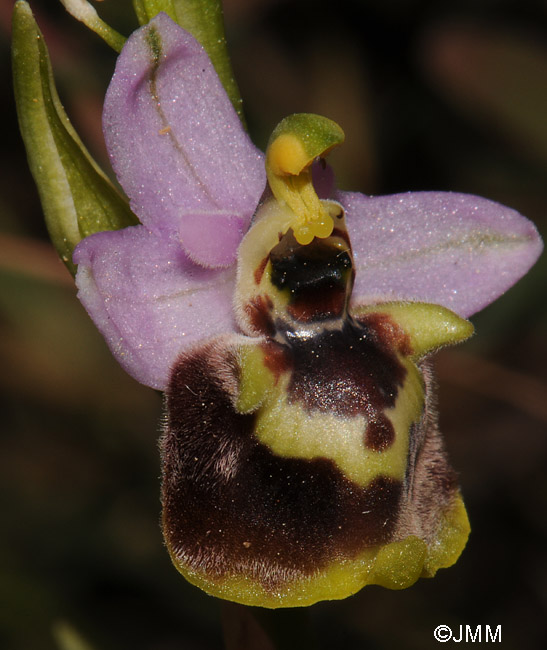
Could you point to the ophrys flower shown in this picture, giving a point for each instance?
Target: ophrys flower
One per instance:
(301, 453)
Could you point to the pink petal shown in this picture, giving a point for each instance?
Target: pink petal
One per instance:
(149, 300)
(176, 143)
(456, 250)
(217, 251)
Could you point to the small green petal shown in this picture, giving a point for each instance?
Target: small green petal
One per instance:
(77, 197)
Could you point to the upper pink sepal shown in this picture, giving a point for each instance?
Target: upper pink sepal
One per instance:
(177, 145)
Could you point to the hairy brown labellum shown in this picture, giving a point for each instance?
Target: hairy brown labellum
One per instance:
(302, 462)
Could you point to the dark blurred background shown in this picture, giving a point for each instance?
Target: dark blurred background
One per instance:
(432, 94)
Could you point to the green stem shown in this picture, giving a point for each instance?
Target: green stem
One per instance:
(83, 11)
(255, 628)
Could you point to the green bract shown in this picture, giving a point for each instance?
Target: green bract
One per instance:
(77, 197)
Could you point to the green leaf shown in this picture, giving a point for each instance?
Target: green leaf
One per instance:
(77, 197)
(205, 21)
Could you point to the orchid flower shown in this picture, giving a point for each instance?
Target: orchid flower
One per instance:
(289, 326)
